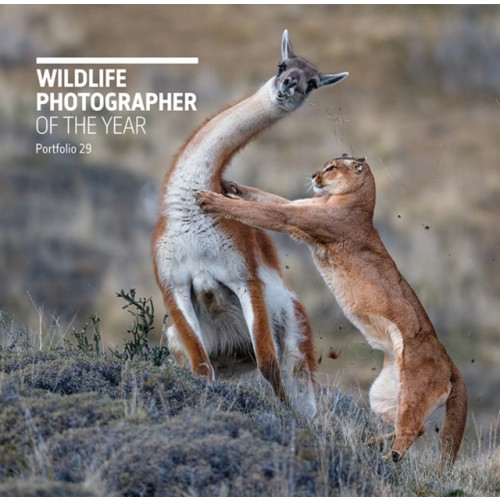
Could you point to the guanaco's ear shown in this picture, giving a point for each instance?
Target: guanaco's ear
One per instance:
(286, 47)
(325, 80)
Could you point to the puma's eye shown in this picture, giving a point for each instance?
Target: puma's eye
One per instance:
(359, 167)
(331, 167)
(281, 68)
(312, 84)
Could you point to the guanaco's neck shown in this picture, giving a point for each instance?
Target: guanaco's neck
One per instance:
(204, 157)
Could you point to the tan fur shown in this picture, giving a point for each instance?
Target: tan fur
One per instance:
(418, 375)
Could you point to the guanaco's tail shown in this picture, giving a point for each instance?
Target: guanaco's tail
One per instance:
(454, 422)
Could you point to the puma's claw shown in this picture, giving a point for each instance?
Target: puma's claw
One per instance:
(231, 189)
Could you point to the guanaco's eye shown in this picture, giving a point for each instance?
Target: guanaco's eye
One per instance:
(312, 84)
(281, 68)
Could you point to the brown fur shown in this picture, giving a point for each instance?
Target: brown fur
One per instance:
(418, 375)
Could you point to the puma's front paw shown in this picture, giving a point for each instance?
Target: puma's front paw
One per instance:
(210, 202)
(232, 189)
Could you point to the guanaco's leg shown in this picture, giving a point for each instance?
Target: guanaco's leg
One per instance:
(254, 309)
(178, 302)
(297, 363)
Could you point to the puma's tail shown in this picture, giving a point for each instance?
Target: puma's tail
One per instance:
(454, 422)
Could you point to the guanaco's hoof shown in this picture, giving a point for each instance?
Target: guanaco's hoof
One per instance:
(396, 456)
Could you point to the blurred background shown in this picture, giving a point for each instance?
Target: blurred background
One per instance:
(422, 102)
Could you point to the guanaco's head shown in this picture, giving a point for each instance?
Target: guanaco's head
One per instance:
(343, 175)
(297, 77)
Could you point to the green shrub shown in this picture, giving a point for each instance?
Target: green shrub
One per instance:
(138, 348)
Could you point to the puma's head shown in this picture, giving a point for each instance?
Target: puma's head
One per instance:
(342, 175)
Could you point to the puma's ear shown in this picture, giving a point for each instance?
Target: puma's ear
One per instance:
(361, 160)
(286, 47)
(331, 79)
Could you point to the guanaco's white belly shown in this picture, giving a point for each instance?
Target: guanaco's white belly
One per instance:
(195, 255)
(199, 260)
(192, 246)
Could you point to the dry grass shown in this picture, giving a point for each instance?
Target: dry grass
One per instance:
(81, 424)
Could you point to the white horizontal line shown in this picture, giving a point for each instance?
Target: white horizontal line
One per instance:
(117, 60)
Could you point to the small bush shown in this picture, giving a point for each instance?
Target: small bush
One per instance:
(13, 338)
(81, 336)
(138, 348)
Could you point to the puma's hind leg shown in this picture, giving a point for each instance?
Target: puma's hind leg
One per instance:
(384, 399)
(416, 400)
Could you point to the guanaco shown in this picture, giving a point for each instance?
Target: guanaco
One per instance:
(418, 376)
(221, 280)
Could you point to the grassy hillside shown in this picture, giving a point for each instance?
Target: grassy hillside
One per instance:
(76, 421)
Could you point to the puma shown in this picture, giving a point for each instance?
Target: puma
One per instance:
(418, 376)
